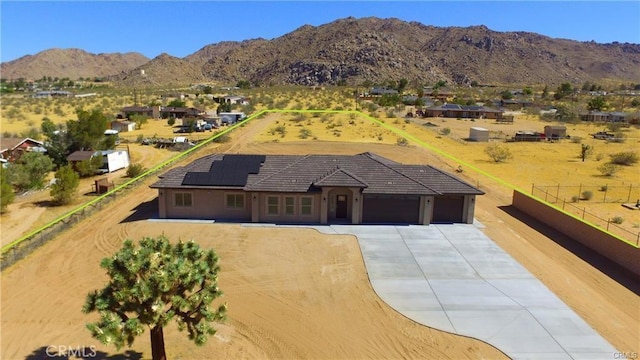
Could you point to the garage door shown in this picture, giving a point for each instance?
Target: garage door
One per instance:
(391, 209)
(448, 209)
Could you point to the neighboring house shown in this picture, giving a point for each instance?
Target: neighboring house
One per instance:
(123, 126)
(463, 111)
(382, 91)
(152, 112)
(441, 94)
(231, 99)
(112, 160)
(12, 148)
(230, 118)
(601, 116)
(181, 112)
(52, 93)
(314, 189)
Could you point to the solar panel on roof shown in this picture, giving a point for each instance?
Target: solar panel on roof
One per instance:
(232, 170)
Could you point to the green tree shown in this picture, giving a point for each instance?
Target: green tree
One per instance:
(545, 92)
(87, 132)
(6, 191)
(139, 120)
(89, 167)
(597, 103)
(565, 89)
(244, 84)
(527, 91)
(177, 103)
(402, 85)
(30, 171)
(506, 95)
(151, 285)
(64, 190)
(223, 107)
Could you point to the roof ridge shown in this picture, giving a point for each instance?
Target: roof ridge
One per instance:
(345, 171)
(406, 176)
(451, 176)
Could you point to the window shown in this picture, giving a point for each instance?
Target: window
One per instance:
(235, 201)
(306, 205)
(272, 205)
(289, 205)
(183, 199)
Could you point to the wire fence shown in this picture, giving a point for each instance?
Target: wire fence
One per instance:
(558, 195)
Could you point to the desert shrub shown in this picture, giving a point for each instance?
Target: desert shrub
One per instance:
(618, 137)
(406, 121)
(576, 140)
(140, 138)
(604, 187)
(445, 131)
(134, 170)
(224, 138)
(497, 153)
(587, 195)
(617, 220)
(391, 114)
(599, 156)
(608, 169)
(171, 121)
(380, 138)
(402, 142)
(575, 198)
(626, 158)
(304, 133)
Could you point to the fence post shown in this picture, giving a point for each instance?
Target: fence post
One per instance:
(629, 197)
(558, 193)
(546, 192)
(580, 193)
(532, 187)
(608, 222)
(606, 188)
(584, 209)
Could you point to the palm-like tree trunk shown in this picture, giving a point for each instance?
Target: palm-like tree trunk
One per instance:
(157, 344)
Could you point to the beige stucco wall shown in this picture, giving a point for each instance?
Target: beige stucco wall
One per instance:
(603, 243)
(206, 204)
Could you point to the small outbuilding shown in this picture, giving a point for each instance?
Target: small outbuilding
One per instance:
(555, 132)
(478, 134)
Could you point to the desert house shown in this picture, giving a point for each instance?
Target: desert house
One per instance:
(478, 134)
(112, 159)
(314, 189)
(600, 116)
(555, 132)
(233, 100)
(152, 112)
(463, 112)
(12, 148)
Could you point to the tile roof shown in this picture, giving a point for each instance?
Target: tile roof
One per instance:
(372, 173)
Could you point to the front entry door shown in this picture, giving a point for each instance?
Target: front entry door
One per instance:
(341, 206)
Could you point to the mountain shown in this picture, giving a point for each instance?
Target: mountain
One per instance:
(70, 63)
(354, 50)
(162, 70)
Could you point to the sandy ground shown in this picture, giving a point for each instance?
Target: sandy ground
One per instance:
(292, 293)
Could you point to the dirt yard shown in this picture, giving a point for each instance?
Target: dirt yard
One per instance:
(292, 293)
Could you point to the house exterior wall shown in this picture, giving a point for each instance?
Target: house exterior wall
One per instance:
(260, 206)
(206, 204)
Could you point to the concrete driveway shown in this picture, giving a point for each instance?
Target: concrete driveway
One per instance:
(454, 278)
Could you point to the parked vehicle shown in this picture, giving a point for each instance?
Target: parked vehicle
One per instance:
(603, 135)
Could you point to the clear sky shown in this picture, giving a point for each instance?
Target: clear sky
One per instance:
(182, 28)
